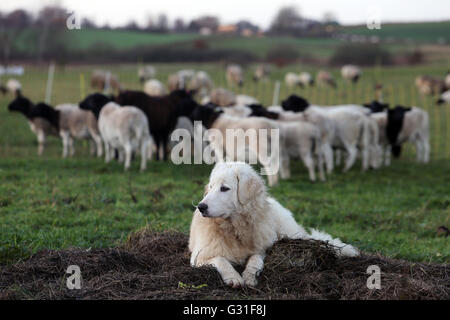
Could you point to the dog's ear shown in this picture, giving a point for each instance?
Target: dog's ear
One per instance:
(249, 187)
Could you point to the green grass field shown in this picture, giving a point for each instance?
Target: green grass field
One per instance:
(53, 203)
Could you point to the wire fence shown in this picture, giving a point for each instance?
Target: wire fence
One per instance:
(71, 84)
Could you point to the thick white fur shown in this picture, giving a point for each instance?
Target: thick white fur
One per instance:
(242, 223)
(154, 88)
(125, 129)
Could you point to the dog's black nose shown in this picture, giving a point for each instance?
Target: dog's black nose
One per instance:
(202, 207)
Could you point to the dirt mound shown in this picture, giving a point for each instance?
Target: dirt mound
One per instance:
(156, 266)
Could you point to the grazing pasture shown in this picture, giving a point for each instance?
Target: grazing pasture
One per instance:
(52, 203)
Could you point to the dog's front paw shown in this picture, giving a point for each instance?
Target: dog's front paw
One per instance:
(249, 279)
(235, 282)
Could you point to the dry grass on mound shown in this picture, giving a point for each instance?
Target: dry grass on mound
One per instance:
(156, 266)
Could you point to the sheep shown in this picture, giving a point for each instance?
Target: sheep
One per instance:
(244, 100)
(213, 119)
(105, 80)
(154, 88)
(71, 123)
(146, 73)
(428, 85)
(400, 125)
(351, 127)
(325, 78)
(292, 80)
(306, 79)
(235, 75)
(239, 111)
(222, 97)
(262, 72)
(12, 86)
(444, 98)
(123, 128)
(39, 126)
(325, 125)
(162, 113)
(201, 84)
(180, 80)
(302, 139)
(351, 73)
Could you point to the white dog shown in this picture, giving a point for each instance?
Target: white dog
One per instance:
(237, 222)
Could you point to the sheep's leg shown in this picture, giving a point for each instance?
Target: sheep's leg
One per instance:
(309, 163)
(328, 153)
(426, 150)
(352, 151)
(320, 165)
(121, 155)
(65, 141)
(128, 151)
(419, 150)
(365, 153)
(144, 152)
(41, 142)
(98, 145)
(107, 152)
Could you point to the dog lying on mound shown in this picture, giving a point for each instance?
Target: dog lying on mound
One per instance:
(237, 221)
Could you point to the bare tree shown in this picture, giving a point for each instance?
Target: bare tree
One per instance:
(12, 25)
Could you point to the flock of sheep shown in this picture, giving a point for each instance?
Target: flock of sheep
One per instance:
(142, 122)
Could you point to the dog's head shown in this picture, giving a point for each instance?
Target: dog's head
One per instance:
(233, 188)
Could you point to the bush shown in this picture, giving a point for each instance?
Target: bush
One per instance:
(361, 54)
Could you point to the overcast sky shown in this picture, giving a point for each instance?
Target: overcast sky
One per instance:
(259, 11)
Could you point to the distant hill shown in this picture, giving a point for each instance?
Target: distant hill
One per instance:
(423, 32)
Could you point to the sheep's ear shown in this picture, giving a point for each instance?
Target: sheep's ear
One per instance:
(249, 186)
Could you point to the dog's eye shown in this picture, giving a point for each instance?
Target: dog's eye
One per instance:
(224, 189)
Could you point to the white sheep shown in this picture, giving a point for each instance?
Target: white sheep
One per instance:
(146, 73)
(262, 72)
(325, 78)
(180, 80)
(123, 128)
(235, 75)
(155, 88)
(222, 97)
(214, 118)
(13, 86)
(351, 73)
(306, 79)
(292, 79)
(201, 84)
(303, 141)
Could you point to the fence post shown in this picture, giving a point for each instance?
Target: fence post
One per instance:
(48, 91)
(82, 87)
(276, 93)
